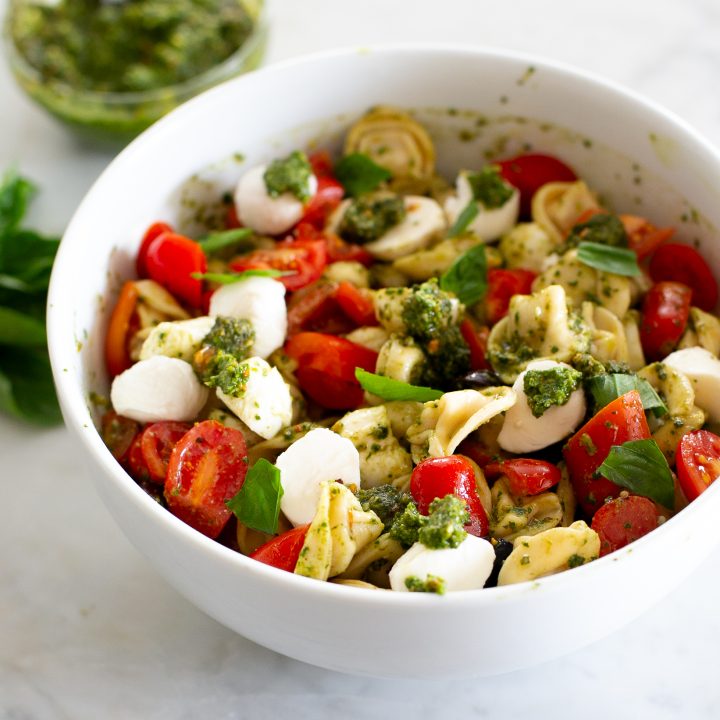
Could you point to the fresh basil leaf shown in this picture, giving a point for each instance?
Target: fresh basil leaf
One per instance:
(461, 224)
(389, 389)
(359, 174)
(257, 503)
(28, 256)
(221, 240)
(467, 276)
(617, 260)
(15, 193)
(230, 278)
(17, 328)
(641, 467)
(606, 388)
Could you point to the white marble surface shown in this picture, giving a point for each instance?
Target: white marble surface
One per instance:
(87, 630)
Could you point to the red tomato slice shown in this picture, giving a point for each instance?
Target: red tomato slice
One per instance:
(623, 520)
(476, 339)
(118, 432)
(117, 355)
(621, 420)
(643, 237)
(306, 259)
(665, 313)
(232, 221)
(135, 462)
(327, 197)
(313, 308)
(157, 442)
(698, 462)
(283, 551)
(452, 475)
(337, 249)
(151, 233)
(526, 476)
(171, 260)
(356, 304)
(326, 368)
(206, 468)
(684, 264)
(502, 285)
(530, 172)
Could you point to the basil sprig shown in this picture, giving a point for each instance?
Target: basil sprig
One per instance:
(389, 389)
(359, 174)
(641, 467)
(220, 240)
(461, 224)
(257, 503)
(606, 388)
(230, 278)
(607, 258)
(467, 276)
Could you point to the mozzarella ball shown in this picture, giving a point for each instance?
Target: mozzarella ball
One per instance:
(159, 388)
(261, 300)
(522, 432)
(263, 213)
(702, 368)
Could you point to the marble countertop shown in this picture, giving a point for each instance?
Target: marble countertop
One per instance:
(88, 630)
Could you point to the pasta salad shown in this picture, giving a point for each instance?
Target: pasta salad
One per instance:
(374, 377)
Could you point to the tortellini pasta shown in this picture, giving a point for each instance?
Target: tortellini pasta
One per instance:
(556, 206)
(511, 517)
(374, 561)
(434, 261)
(527, 246)
(608, 342)
(703, 331)
(400, 358)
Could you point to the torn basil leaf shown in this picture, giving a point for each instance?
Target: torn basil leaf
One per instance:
(467, 276)
(389, 389)
(257, 503)
(617, 260)
(359, 174)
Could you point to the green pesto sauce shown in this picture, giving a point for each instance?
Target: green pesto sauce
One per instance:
(442, 528)
(367, 219)
(431, 584)
(546, 388)
(130, 46)
(489, 188)
(290, 174)
(232, 335)
(602, 228)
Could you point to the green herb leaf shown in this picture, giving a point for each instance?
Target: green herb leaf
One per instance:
(257, 503)
(15, 193)
(607, 258)
(606, 388)
(359, 174)
(461, 224)
(641, 467)
(17, 328)
(389, 389)
(467, 276)
(221, 240)
(230, 278)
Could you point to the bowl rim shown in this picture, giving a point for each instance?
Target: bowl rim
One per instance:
(73, 398)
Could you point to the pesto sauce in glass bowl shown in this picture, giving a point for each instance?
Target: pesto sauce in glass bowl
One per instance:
(110, 68)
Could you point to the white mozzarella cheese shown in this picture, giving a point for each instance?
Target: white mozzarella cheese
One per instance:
(490, 223)
(266, 405)
(522, 432)
(263, 213)
(261, 300)
(159, 388)
(180, 339)
(465, 567)
(702, 368)
(318, 456)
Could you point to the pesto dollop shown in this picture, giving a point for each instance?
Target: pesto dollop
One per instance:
(130, 46)
(366, 219)
(431, 584)
(489, 187)
(442, 528)
(553, 386)
(290, 174)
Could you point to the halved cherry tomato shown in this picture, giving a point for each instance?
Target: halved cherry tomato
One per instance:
(171, 260)
(151, 233)
(117, 355)
(135, 462)
(118, 432)
(529, 172)
(698, 462)
(684, 264)
(502, 285)
(329, 191)
(452, 475)
(665, 313)
(306, 259)
(356, 304)
(283, 551)
(623, 520)
(232, 221)
(643, 237)
(476, 339)
(337, 249)
(206, 468)
(621, 420)
(157, 441)
(326, 368)
(526, 476)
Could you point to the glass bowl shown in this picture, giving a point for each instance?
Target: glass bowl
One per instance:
(114, 118)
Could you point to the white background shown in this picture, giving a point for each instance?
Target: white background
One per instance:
(87, 630)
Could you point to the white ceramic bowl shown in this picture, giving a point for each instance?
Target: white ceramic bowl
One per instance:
(638, 156)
